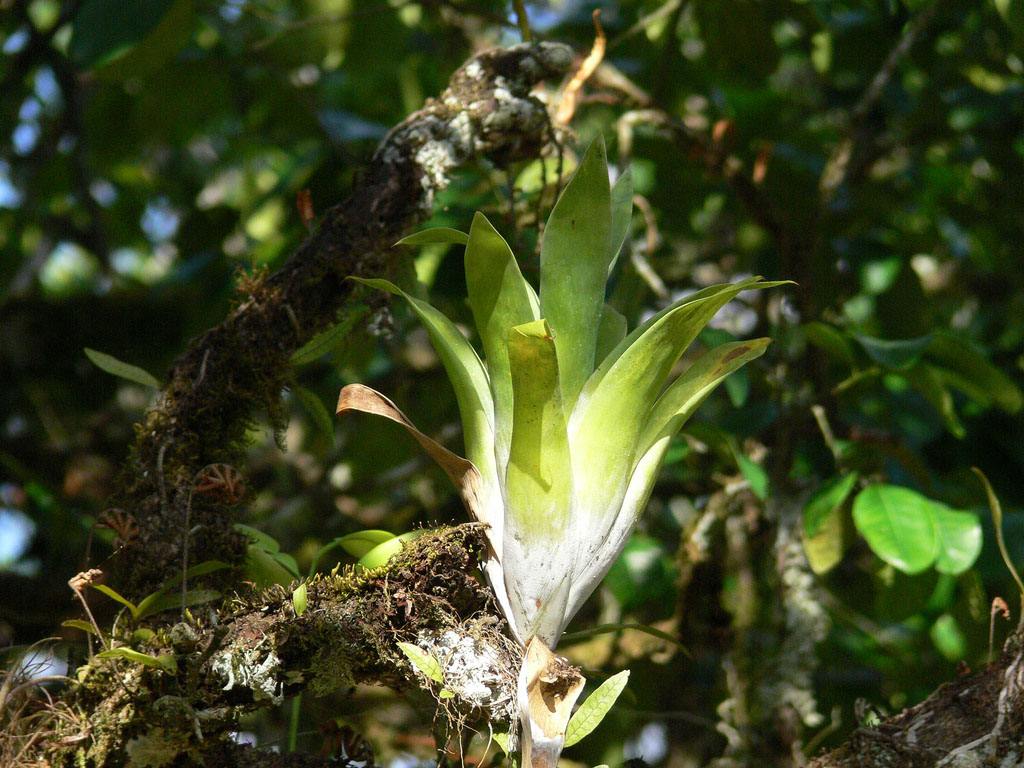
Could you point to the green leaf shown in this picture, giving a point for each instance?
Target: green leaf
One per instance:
(826, 501)
(754, 474)
(822, 533)
(961, 366)
(948, 638)
(435, 235)
(467, 374)
(574, 261)
(329, 340)
(831, 341)
(622, 215)
(444, 693)
(115, 595)
(263, 569)
(538, 484)
(500, 298)
(167, 601)
(299, 599)
(895, 354)
(287, 562)
(361, 542)
(103, 30)
(121, 369)
(898, 525)
(165, 661)
(927, 380)
(501, 739)
(317, 411)
(684, 395)
(424, 663)
(959, 535)
(262, 540)
(382, 553)
(593, 710)
(610, 332)
(85, 626)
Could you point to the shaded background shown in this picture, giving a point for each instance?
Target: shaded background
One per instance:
(150, 158)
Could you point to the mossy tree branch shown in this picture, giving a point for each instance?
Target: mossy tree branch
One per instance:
(239, 367)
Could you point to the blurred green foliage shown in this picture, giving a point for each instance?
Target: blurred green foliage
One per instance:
(148, 158)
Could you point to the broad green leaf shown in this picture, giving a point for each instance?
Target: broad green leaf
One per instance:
(610, 332)
(593, 710)
(959, 535)
(424, 662)
(927, 380)
(574, 260)
(832, 341)
(622, 215)
(103, 30)
(262, 540)
(433, 235)
(899, 526)
(961, 366)
(167, 601)
(684, 395)
(317, 411)
(115, 595)
(85, 626)
(896, 354)
(467, 374)
(299, 599)
(263, 569)
(824, 550)
(755, 475)
(538, 485)
(121, 369)
(383, 552)
(538, 480)
(165, 661)
(605, 429)
(359, 543)
(287, 562)
(329, 340)
(500, 298)
(826, 501)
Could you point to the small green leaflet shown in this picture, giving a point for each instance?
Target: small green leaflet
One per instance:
(501, 739)
(165, 661)
(593, 710)
(121, 369)
(754, 474)
(360, 543)
(85, 626)
(826, 500)
(299, 599)
(379, 555)
(424, 663)
(435, 235)
(314, 406)
(326, 341)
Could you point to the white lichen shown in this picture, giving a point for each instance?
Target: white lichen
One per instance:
(473, 670)
(249, 668)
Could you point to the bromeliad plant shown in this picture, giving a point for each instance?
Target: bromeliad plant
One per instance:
(566, 420)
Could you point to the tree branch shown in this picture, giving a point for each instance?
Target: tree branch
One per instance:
(241, 365)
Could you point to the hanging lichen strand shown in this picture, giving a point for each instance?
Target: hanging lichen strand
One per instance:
(566, 419)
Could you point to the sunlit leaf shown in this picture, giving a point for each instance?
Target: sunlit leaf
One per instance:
(898, 525)
(115, 595)
(593, 710)
(382, 553)
(299, 599)
(85, 626)
(167, 601)
(121, 369)
(165, 662)
(359, 543)
(574, 259)
(424, 663)
(959, 536)
(433, 235)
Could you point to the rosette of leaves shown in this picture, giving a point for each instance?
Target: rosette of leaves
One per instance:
(566, 418)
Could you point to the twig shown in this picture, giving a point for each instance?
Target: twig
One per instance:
(571, 94)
